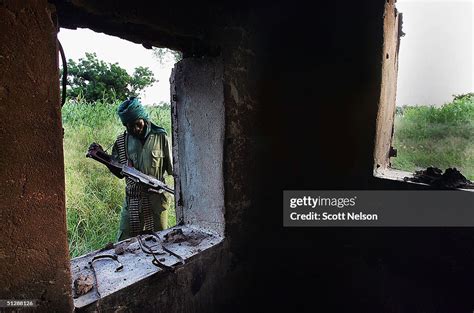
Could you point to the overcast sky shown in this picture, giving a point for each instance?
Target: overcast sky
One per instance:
(436, 54)
(127, 54)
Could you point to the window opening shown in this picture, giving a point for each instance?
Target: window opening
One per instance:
(104, 71)
(426, 114)
(196, 85)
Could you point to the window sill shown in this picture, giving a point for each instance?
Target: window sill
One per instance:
(394, 174)
(137, 265)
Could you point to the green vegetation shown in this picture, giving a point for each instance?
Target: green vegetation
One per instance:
(94, 196)
(93, 79)
(430, 136)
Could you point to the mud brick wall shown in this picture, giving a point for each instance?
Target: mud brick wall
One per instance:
(34, 261)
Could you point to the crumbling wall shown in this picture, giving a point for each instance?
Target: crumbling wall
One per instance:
(198, 146)
(34, 261)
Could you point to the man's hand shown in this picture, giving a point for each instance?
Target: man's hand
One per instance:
(98, 150)
(95, 146)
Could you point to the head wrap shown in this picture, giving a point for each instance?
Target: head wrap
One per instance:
(130, 110)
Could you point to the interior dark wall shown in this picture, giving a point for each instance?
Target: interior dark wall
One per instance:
(320, 85)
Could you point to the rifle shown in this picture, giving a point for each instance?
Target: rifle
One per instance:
(155, 185)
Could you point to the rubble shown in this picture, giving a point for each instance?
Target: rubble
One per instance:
(83, 284)
(434, 176)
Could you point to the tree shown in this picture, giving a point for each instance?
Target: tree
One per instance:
(165, 55)
(95, 79)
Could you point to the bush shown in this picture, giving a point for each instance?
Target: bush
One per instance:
(436, 136)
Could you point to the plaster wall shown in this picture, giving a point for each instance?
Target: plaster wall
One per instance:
(198, 123)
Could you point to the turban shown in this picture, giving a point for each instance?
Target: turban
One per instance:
(131, 110)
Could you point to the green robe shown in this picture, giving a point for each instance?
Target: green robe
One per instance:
(152, 158)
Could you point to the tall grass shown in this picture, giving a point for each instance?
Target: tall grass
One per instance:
(436, 136)
(94, 196)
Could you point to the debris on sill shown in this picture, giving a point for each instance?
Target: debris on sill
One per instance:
(123, 247)
(83, 284)
(135, 264)
(177, 236)
(108, 246)
(434, 176)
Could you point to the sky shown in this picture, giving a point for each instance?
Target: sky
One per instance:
(436, 54)
(127, 54)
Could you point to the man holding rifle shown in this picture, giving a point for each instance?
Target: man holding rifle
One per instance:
(143, 146)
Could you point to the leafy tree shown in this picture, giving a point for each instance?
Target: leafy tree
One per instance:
(94, 79)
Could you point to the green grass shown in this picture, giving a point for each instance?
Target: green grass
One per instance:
(94, 196)
(436, 136)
